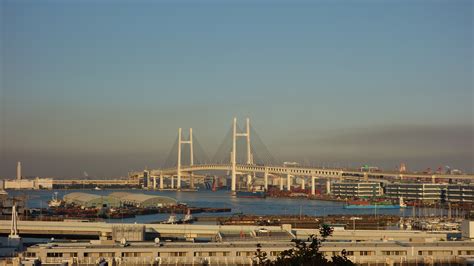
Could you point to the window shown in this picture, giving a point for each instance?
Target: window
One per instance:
(225, 253)
(466, 252)
(212, 254)
(54, 254)
(178, 254)
(238, 253)
(87, 254)
(30, 254)
(350, 253)
(130, 254)
(275, 253)
(392, 252)
(106, 254)
(73, 255)
(366, 253)
(425, 252)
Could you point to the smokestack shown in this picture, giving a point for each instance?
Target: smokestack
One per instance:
(18, 171)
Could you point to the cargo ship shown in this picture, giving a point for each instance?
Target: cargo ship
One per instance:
(375, 205)
(251, 194)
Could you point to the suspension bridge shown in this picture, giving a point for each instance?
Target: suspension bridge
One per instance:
(244, 156)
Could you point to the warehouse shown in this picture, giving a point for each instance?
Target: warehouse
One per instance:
(143, 200)
(91, 200)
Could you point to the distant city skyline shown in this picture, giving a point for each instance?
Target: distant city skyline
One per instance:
(103, 86)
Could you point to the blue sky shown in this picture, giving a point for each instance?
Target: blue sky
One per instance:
(102, 86)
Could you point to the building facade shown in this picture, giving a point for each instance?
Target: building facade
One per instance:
(356, 189)
(431, 192)
(243, 253)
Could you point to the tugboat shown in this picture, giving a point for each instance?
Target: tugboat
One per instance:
(55, 202)
(188, 218)
(251, 193)
(171, 220)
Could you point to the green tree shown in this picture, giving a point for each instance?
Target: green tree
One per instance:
(305, 253)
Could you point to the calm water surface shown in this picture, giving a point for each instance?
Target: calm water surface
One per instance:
(220, 199)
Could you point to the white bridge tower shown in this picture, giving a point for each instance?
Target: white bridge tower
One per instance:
(191, 154)
(233, 154)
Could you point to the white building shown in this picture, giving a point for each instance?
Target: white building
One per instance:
(356, 189)
(467, 229)
(37, 183)
(431, 192)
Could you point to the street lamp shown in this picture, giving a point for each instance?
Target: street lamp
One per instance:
(354, 221)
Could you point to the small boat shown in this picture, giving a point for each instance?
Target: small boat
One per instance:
(188, 218)
(401, 203)
(171, 220)
(251, 194)
(55, 202)
(97, 188)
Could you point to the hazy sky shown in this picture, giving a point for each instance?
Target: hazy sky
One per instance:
(102, 86)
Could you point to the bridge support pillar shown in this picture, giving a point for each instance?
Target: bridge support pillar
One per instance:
(328, 187)
(313, 185)
(266, 179)
(172, 182)
(302, 184)
(161, 181)
(288, 182)
(191, 180)
(154, 182)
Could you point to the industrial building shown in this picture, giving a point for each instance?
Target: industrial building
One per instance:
(37, 183)
(91, 200)
(431, 192)
(143, 200)
(356, 189)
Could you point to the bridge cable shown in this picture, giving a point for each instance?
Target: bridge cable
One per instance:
(172, 159)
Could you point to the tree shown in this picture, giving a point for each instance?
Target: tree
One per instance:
(305, 253)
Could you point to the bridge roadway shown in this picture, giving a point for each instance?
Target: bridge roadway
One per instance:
(327, 173)
(96, 229)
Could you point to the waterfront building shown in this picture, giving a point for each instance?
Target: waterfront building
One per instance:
(143, 200)
(356, 189)
(431, 192)
(467, 229)
(243, 252)
(117, 199)
(37, 183)
(460, 193)
(91, 200)
(20, 184)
